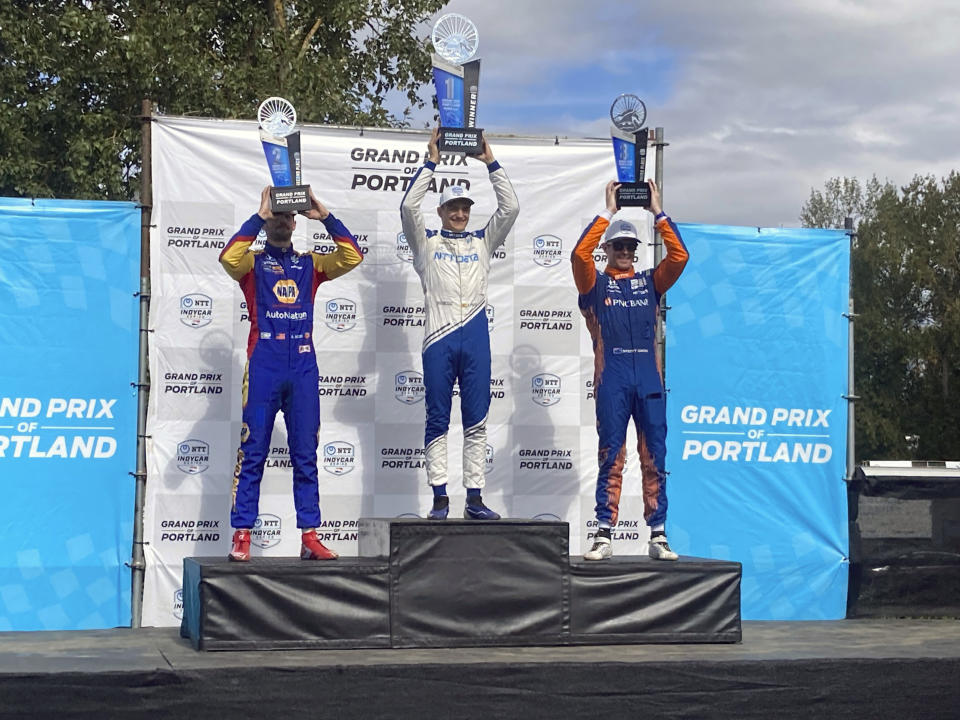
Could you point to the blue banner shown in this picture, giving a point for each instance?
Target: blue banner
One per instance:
(756, 366)
(450, 99)
(68, 356)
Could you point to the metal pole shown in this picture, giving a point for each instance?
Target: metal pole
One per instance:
(851, 396)
(137, 564)
(659, 144)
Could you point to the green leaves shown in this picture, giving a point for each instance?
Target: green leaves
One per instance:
(73, 74)
(906, 289)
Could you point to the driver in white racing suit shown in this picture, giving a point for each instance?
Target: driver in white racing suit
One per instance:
(453, 264)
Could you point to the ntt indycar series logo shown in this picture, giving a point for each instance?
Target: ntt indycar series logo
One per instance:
(547, 250)
(193, 456)
(340, 314)
(339, 457)
(178, 603)
(756, 434)
(266, 531)
(403, 248)
(408, 387)
(545, 389)
(196, 310)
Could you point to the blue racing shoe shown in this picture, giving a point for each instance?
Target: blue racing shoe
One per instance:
(441, 506)
(476, 510)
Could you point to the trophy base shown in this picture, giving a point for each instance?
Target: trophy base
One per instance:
(633, 194)
(290, 198)
(468, 141)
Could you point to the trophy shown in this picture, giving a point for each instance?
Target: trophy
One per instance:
(629, 136)
(455, 41)
(281, 145)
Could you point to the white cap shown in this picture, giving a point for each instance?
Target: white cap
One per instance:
(621, 230)
(454, 192)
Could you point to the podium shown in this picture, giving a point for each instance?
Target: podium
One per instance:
(458, 583)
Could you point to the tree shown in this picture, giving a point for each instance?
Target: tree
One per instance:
(906, 289)
(73, 74)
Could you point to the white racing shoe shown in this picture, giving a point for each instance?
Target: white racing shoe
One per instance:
(660, 550)
(601, 550)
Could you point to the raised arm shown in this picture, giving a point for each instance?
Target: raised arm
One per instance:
(669, 269)
(584, 267)
(508, 206)
(411, 216)
(236, 257)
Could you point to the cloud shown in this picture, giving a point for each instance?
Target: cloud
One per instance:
(760, 101)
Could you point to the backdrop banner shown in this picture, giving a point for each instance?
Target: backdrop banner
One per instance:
(368, 331)
(757, 372)
(68, 356)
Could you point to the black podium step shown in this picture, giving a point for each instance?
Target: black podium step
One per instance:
(458, 583)
(286, 603)
(633, 599)
(468, 582)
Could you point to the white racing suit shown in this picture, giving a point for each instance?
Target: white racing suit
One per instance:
(453, 269)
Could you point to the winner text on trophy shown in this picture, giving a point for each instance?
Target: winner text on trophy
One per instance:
(455, 41)
(281, 145)
(629, 136)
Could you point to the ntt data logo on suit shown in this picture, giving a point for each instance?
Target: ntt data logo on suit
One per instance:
(340, 314)
(193, 456)
(545, 389)
(339, 457)
(547, 250)
(408, 387)
(196, 310)
(266, 531)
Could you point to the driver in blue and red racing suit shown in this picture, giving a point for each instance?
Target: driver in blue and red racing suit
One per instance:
(453, 264)
(621, 306)
(280, 285)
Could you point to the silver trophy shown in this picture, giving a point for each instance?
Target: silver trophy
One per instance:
(455, 40)
(629, 136)
(281, 145)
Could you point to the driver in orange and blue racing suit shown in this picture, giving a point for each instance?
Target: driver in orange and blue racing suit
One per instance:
(620, 306)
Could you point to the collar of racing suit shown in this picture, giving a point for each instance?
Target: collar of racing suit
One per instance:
(452, 234)
(619, 274)
(277, 252)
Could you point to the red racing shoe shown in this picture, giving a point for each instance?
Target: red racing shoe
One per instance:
(312, 549)
(240, 552)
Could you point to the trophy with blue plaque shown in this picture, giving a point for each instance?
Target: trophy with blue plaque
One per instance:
(281, 145)
(455, 41)
(629, 136)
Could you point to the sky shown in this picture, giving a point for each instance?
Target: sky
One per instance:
(761, 101)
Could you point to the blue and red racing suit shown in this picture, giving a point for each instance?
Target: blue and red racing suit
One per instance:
(279, 285)
(620, 308)
(453, 269)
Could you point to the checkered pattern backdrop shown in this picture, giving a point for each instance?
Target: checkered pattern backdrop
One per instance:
(541, 458)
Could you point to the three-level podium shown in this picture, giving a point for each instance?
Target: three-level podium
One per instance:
(458, 583)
